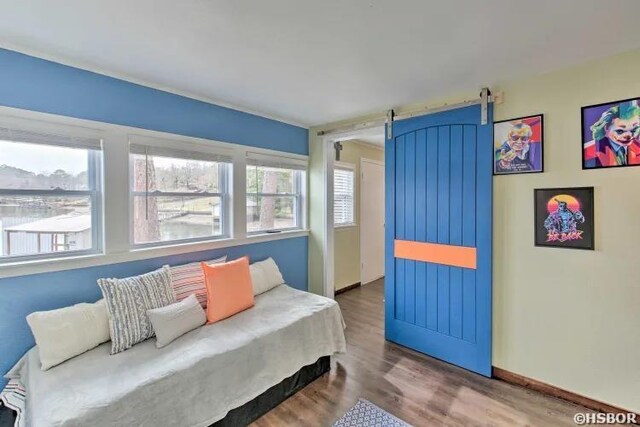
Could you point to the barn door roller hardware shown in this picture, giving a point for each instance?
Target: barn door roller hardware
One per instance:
(483, 100)
(389, 121)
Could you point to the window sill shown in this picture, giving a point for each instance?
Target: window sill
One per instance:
(345, 226)
(284, 234)
(35, 263)
(150, 247)
(137, 254)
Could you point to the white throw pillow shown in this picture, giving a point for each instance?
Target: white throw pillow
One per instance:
(177, 319)
(67, 332)
(127, 303)
(265, 276)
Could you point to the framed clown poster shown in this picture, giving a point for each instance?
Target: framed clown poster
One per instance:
(564, 217)
(611, 134)
(517, 145)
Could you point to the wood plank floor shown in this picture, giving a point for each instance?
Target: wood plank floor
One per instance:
(421, 390)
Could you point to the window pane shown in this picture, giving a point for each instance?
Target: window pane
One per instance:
(343, 210)
(343, 197)
(262, 179)
(271, 213)
(42, 167)
(175, 175)
(252, 179)
(38, 225)
(164, 218)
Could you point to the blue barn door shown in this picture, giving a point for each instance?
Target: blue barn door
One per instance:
(438, 236)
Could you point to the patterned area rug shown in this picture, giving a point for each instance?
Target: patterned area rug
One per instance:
(366, 414)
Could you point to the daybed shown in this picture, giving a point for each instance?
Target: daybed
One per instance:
(250, 361)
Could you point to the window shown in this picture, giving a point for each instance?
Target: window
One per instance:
(274, 193)
(76, 194)
(50, 195)
(343, 195)
(178, 195)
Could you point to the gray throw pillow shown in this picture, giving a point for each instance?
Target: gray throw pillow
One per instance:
(177, 319)
(127, 303)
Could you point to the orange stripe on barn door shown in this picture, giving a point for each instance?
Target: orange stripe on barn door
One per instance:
(455, 256)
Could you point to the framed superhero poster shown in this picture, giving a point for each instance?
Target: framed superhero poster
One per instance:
(564, 217)
(517, 145)
(611, 134)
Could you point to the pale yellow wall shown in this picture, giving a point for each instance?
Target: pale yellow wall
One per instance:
(570, 318)
(347, 239)
(566, 317)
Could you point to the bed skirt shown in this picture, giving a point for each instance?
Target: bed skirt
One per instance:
(254, 409)
(7, 416)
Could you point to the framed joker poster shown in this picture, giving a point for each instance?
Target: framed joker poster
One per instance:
(611, 134)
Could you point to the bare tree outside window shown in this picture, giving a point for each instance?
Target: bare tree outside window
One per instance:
(272, 198)
(268, 204)
(145, 180)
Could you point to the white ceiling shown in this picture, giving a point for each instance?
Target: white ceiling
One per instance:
(313, 62)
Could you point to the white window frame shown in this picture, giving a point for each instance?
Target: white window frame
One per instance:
(70, 138)
(350, 168)
(114, 211)
(180, 150)
(285, 161)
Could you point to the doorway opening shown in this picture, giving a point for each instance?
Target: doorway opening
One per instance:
(356, 199)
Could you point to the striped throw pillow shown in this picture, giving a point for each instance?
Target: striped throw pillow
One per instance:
(127, 303)
(189, 279)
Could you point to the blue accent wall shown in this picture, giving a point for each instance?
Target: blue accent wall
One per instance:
(39, 85)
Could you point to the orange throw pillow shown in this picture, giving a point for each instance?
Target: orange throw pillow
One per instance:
(229, 288)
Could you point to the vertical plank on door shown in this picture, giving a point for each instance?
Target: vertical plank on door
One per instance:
(410, 225)
(484, 270)
(432, 225)
(400, 229)
(469, 232)
(444, 168)
(389, 233)
(455, 232)
(421, 224)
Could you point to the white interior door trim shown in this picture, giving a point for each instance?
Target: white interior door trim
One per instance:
(328, 238)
